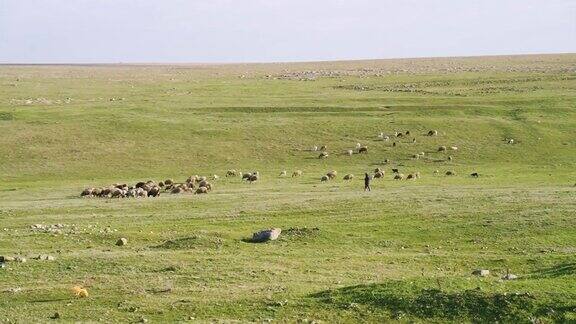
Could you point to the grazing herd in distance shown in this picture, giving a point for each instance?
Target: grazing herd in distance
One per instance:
(200, 185)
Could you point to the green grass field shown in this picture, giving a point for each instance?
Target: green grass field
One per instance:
(403, 252)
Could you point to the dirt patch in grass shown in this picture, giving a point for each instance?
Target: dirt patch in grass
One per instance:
(192, 242)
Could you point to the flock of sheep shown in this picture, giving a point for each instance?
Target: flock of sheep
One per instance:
(194, 184)
(200, 185)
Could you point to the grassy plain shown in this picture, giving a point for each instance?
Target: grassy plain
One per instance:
(403, 252)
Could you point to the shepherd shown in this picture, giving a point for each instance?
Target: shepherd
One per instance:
(367, 182)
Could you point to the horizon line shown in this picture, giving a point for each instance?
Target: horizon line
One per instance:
(160, 63)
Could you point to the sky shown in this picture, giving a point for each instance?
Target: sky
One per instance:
(114, 31)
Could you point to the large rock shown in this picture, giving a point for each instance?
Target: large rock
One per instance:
(481, 272)
(266, 235)
(122, 241)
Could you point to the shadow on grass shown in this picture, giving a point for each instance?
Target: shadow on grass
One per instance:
(402, 299)
(559, 270)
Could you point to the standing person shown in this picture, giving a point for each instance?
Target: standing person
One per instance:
(367, 182)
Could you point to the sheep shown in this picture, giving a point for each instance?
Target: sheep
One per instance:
(399, 176)
(231, 173)
(442, 148)
(386, 161)
(450, 173)
(400, 135)
(436, 171)
(168, 182)
(377, 170)
(201, 190)
(177, 190)
(363, 149)
(296, 173)
(349, 152)
(511, 141)
(246, 176)
(200, 179)
(215, 177)
(96, 192)
(314, 148)
(324, 178)
(395, 170)
(283, 173)
(394, 144)
(449, 157)
(161, 184)
(191, 179)
(323, 155)
(323, 148)
(105, 192)
(332, 174)
(141, 193)
(433, 133)
(116, 193)
(203, 183)
(381, 135)
(410, 176)
(407, 132)
(379, 174)
(454, 148)
(154, 192)
(253, 177)
(358, 145)
(349, 177)
(414, 140)
(416, 156)
(422, 153)
(417, 174)
(131, 193)
(87, 192)
(474, 175)
(386, 138)
(140, 184)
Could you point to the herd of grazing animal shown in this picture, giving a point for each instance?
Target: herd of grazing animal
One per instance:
(200, 185)
(194, 184)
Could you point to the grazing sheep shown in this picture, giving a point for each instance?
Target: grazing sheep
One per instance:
(168, 182)
(323, 148)
(253, 177)
(283, 173)
(131, 193)
(349, 177)
(394, 144)
(215, 177)
(324, 178)
(349, 152)
(191, 179)
(410, 176)
(154, 192)
(296, 173)
(116, 193)
(377, 170)
(407, 132)
(386, 161)
(395, 170)
(105, 192)
(363, 149)
(454, 148)
(358, 145)
(442, 148)
(200, 179)
(416, 156)
(417, 174)
(231, 173)
(140, 193)
(511, 141)
(202, 190)
(87, 192)
(381, 135)
(203, 183)
(96, 192)
(161, 184)
(399, 176)
(177, 190)
(422, 153)
(331, 174)
(450, 173)
(414, 140)
(433, 133)
(436, 171)
(449, 157)
(400, 135)
(474, 175)
(323, 155)
(140, 184)
(246, 176)
(386, 138)
(379, 174)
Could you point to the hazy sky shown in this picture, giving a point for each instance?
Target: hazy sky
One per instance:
(59, 31)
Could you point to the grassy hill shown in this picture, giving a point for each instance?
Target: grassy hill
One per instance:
(404, 251)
